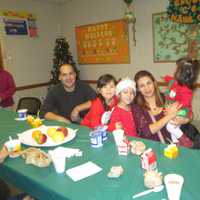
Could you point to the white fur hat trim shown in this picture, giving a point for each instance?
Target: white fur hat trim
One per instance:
(124, 84)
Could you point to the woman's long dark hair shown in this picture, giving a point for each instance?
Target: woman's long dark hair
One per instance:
(102, 81)
(187, 72)
(139, 98)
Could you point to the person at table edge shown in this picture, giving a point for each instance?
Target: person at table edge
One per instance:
(7, 88)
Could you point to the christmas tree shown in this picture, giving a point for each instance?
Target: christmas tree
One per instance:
(62, 55)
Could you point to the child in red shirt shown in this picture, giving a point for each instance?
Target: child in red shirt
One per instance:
(180, 90)
(122, 116)
(103, 104)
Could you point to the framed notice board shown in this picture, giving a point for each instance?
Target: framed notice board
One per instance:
(172, 40)
(101, 43)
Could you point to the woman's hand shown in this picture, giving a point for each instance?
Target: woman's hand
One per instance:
(172, 110)
(170, 113)
(180, 120)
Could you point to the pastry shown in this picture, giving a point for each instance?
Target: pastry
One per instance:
(152, 179)
(137, 147)
(36, 157)
(115, 172)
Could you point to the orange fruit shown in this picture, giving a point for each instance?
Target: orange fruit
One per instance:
(51, 131)
(58, 137)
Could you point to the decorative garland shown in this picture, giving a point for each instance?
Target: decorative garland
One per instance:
(129, 16)
(15, 14)
(184, 11)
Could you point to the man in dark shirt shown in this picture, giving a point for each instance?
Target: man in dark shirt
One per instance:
(69, 100)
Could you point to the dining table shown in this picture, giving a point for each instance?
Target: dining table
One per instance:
(45, 184)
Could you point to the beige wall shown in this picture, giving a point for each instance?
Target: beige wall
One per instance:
(91, 11)
(30, 59)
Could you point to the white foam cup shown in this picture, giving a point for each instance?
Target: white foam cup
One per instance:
(118, 136)
(173, 183)
(58, 161)
(13, 146)
(22, 113)
(96, 139)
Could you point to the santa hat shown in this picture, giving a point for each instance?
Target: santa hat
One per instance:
(124, 84)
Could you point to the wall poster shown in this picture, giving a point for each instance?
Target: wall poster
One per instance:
(19, 23)
(101, 43)
(174, 40)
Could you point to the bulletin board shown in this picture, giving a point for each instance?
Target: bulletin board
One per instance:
(19, 23)
(172, 40)
(101, 43)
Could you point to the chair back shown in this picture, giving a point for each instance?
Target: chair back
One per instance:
(33, 105)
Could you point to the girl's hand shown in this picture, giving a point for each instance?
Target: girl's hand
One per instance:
(118, 125)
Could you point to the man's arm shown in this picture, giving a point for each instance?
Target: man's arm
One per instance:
(89, 94)
(79, 108)
(49, 108)
(56, 117)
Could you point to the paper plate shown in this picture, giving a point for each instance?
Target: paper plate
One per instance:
(20, 119)
(26, 137)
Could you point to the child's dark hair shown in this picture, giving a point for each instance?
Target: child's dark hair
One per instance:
(187, 71)
(102, 81)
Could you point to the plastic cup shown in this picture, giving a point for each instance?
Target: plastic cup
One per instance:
(118, 136)
(13, 146)
(103, 131)
(174, 183)
(96, 139)
(58, 162)
(22, 113)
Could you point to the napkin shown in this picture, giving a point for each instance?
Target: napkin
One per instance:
(66, 152)
(83, 171)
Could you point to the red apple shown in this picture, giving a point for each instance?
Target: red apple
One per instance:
(39, 137)
(43, 139)
(64, 130)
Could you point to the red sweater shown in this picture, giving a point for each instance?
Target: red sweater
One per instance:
(7, 88)
(93, 118)
(126, 119)
(182, 94)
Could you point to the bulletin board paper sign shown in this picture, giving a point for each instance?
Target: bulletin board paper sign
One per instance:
(101, 43)
(15, 27)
